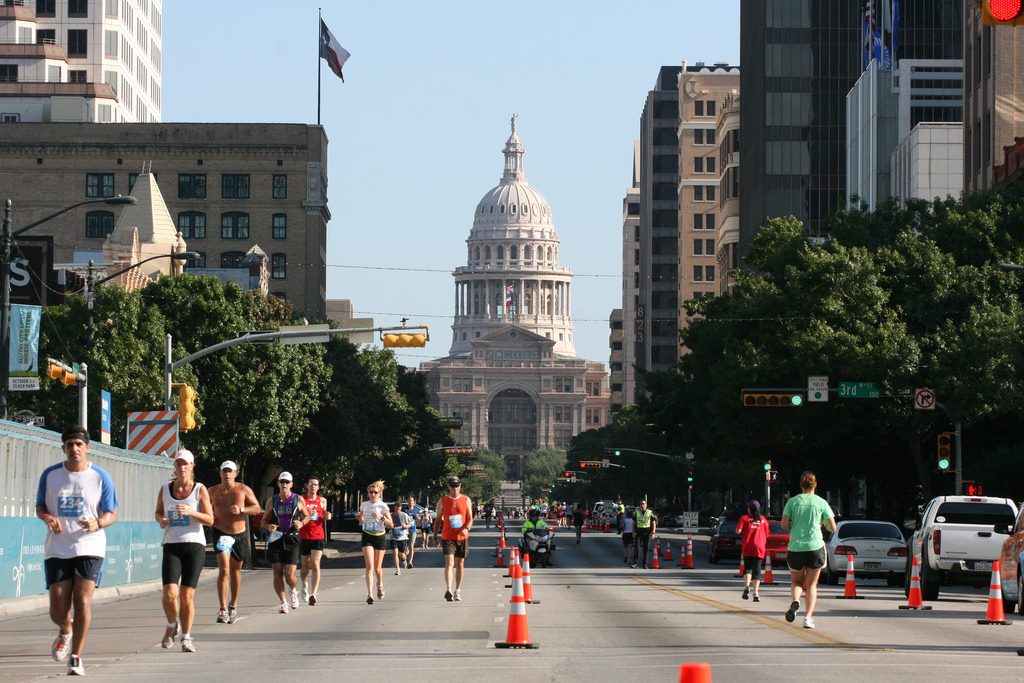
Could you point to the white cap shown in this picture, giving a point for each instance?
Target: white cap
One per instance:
(186, 455)
(284, 476)
(229, 465)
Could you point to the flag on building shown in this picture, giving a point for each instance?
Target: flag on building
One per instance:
(332, 51)
(510, 296)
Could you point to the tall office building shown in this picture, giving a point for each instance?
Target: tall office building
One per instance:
(625, 325)
(81, 61)
(993, 96)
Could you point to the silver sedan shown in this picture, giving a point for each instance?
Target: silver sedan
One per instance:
(878, 548)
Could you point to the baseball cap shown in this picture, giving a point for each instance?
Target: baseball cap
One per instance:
(186, 455)
(754, 505)
(284, 476)
(229, 465)
(454, 481)
(75, 432)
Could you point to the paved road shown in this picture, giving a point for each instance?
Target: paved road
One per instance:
(597, 621)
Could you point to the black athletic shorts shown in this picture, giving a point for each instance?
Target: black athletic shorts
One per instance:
(284, 550)
(183, 562)
(240, 550)
(752, 566)
(806, 559)
(306, 547)
(377, 542)
(59, 569)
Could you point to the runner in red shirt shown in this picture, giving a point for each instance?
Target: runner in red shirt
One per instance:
(753, 529)
(454, 520)
(311, 539)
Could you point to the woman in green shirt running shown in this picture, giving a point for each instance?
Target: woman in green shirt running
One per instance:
(803, 516)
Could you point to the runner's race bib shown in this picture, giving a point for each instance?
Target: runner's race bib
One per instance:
(455, 521)
(175, 518)
(225, 543)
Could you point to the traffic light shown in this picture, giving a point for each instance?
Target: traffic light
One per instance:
(759, 398)
(768, 466)
(944, 450)
(186, 408)
(590, 464)
(689, 478)
(459, 450)
(1002, 12)
(972, 488)
(65, 374)
(613, 452)
(569, 474)
(404, 340)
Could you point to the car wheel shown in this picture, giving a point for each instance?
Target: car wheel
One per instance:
(894, 581)
(929, 580)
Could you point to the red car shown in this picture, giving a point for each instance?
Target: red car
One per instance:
(778, 539)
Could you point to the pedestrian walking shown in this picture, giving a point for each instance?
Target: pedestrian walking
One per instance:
(311, 540)
(803, 516)
(753, 529)
(77, 501)
(629, 540)
(375, 519)
(401, 522)
(454, 522)
(182, 508)
(646, 529)
(283, 516)
(232, 502)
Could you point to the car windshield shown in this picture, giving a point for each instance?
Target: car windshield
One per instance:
(869, 530)
(974, 513)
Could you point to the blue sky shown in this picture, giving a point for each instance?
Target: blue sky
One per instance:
(417, 129)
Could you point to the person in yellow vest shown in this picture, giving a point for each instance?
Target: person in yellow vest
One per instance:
(646, 529)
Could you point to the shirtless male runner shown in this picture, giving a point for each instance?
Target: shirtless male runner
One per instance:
(232, 502)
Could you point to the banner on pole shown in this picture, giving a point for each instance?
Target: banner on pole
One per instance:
(105, 416)
(23, 355)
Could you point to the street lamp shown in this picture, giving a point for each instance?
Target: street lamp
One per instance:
(6, 242)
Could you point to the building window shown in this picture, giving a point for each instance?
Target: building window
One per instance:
(698, 247)
(709, 273)
(99, 224)
(710, 166)
(234, 186)
(698, 221)
(192, 225)
(8, 73)
(46, 36)
(231, 259)
(99, 184)
(698, 193)
(110, 44)
(46, 8)
(709, 247)
(278, 266)
(78, 8)
(132, 179)
(709, 136)
(709, 193)
(191, 186)
(698, 136)
(78, 43)
(711, 107)
(709, 221)
(698, 107)
(280, 227)
(698, 164)
(10, 117)
(698, 273)
(78, 76)
(234, 226)
(280, 186)
(196, 261)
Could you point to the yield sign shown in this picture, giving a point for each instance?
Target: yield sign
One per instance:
(924, 399)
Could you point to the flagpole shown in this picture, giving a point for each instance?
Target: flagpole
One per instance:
(319, 23)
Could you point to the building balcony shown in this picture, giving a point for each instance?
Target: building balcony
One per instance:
(18, 10)
(88, 90)
(32, 50)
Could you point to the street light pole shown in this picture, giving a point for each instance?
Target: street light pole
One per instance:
(6, 242)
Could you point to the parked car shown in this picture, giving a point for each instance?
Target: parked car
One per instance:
(878, 550)
(724, 542)
(1010, 567)
(778, 541)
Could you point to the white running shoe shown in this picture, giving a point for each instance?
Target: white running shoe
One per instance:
(187, 645)
(305, 594)
(61, 647)
(169, 634)
(75, 666)
(295, 598)
(808, 622)
(458, 595)
(283, 609)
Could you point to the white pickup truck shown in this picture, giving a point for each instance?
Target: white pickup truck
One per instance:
(954, 541)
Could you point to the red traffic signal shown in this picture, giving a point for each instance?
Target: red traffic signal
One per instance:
(1002, 12)
(972, 488)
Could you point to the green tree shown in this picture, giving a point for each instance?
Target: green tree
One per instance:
(540, 467)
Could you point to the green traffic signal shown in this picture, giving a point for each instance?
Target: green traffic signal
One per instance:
(617, 453)
(797, 399)
(768, 466)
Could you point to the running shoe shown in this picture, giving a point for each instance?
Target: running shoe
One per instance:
(448, 596)
(808, 622)
(295, 598)
(746, 593)
(791, 612)
(232, 614)
(187, 646)
(169, 634)
(283, 609)
(369, 600)
(61, 647)
(312, 600)
(757, 598)
(75, 666)
(398, 572)
(222, 617)
(408, 565)
(458, 595)
(305, 594)
(380, 592)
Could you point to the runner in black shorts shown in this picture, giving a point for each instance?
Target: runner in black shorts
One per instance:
(306, 548)
(239, 545)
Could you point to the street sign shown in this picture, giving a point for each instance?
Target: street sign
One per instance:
(817, 388)
(449, 422)
(859, 390)
(924, 399)
(690, 520)
(316, 334)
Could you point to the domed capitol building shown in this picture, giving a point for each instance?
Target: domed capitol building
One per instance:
(512, 373)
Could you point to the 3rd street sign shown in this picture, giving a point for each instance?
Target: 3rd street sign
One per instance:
(859, 390)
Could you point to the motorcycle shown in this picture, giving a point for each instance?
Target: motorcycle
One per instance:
(540, 543)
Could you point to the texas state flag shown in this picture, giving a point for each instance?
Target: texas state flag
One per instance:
(332, 51)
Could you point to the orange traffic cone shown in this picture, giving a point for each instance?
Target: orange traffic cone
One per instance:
(995, 615)
(682, 555)
(668, 551)
(513, 561)
(656, 562)
(501, 543)
(769, 578)
(689, 551)
(850, 590)
(501, 558)
(586, 526)
(527, 582)
(914, 598)
(740, 571)
(518, 634)
(695, 673)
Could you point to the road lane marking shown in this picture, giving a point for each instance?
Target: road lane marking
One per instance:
(812, 636)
